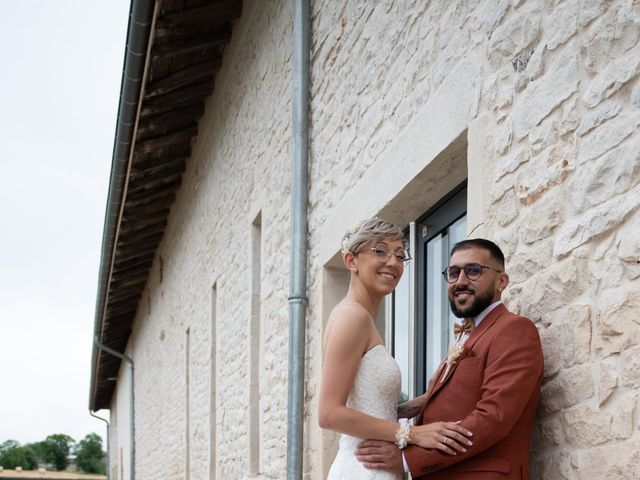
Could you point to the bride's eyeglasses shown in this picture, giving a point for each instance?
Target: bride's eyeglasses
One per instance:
(381, 250)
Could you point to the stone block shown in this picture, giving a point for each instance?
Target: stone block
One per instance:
(561, 24)
(607, 136)
(616, 324)
(535, 66)
(507, 239)
(516, 158)
(611, 79)
(595, 222)
(546, 93)
(453, 44)
(575, 336)
(567, 389)
(552, 348)
(622, 423)
(502, 140)
(541, 219)
(630, 375)
(628, 250)
(608, 381)
(556, 466)
(596, 118)
(618, 461)
(591, 9)
(547, 433)
(529, 261)
(616, 172)
(554, 288)
(585, 426)
(506, 209)
(543, 172)
(634, 96)
(493, 14)
(570, 119)
(544, 136)
(513, 36)
(609, 37)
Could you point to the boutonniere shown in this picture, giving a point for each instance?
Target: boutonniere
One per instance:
(456, 353)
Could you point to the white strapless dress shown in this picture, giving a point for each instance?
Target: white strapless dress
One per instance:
(375, 392)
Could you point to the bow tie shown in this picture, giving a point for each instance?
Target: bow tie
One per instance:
(466, 328)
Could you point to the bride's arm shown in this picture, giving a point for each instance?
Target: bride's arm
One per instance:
(413, 407)
(348, 338)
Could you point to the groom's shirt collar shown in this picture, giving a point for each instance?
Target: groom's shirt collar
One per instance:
(481, 316)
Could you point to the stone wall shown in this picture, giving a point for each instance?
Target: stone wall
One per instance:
(238, 171)
(536, 103)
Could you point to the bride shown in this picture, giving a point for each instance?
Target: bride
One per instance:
(360, 380)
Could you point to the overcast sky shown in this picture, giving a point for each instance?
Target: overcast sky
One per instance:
(61, 68)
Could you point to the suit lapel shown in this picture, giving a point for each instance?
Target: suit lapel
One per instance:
(435, 379)
(485, 324)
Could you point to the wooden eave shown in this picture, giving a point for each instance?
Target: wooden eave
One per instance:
(186, 48)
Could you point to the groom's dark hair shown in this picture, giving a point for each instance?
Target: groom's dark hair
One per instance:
(493, 249)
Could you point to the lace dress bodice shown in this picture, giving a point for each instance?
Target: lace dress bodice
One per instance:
(375, 391)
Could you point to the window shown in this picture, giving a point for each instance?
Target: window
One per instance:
(420, 318)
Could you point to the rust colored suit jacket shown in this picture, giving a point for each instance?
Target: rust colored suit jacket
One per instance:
(494, 389)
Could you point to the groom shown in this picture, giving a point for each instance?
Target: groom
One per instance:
(490, 380)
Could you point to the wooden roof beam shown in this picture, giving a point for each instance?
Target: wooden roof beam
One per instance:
(168, 101)
(181, 45)
(184, 77)
(212, 14)
(167, 140)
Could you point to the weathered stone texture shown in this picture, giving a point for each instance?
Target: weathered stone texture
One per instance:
(593, 119)
(546, 93)
(612, 79)
(516, 33)
(610, 36)
(616, 461)
(556, 466)
(562, 24)
(570, 387)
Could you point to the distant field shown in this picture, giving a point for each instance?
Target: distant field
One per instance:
(39, 475)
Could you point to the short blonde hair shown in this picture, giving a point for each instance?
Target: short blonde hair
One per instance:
(367, 232)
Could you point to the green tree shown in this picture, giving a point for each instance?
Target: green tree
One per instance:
(89, 454)
(12, 455)
(40, 449)
(56, 450)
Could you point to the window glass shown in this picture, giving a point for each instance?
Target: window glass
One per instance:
(419, 321)
(439, 318)
(401, 340)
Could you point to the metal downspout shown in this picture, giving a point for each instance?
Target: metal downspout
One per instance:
(106, 459)
(138, 34)
(298, 266)
(132, 426)
(139, 28)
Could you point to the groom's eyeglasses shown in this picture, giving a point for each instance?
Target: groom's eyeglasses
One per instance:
(471, 270)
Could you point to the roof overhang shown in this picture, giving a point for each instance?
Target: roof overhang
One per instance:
(174, 48)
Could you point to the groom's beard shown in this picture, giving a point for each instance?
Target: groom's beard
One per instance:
(473, 309)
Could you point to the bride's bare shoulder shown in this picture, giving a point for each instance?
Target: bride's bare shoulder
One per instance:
(348, 319)
(349, 311)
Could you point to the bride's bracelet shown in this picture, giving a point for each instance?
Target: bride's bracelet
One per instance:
(403, 435)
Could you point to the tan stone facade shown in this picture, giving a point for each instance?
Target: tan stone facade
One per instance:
(535, 104)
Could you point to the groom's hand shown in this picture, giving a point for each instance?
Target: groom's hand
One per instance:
(380, 455)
